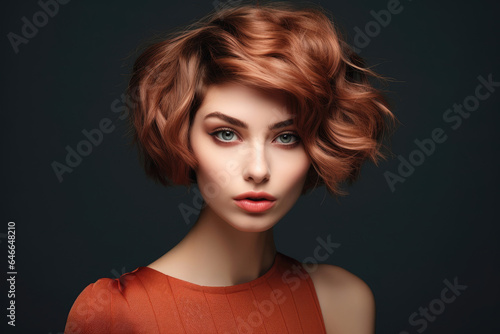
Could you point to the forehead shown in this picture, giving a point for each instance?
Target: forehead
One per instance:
(242, 101)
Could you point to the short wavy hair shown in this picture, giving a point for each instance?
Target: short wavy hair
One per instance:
(340, 116)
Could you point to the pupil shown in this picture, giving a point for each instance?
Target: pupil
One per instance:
(286, 138)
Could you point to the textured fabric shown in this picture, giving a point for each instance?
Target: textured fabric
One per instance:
(283, 300)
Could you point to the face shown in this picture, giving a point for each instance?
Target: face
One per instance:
(247, 142)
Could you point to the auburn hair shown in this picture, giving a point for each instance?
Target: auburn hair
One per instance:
(340, 116)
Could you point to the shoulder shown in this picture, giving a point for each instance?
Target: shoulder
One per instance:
(346, 301)
(90, 309)
(94, 307)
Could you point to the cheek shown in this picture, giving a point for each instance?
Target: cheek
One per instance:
(206, 166)
(293, 169)
(212, 165)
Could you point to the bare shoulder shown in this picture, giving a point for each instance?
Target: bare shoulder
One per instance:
(346, 301)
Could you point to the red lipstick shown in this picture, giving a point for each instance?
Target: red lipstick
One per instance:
(255, 201)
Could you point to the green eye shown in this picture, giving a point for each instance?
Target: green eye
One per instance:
(225, 135)
(287, 138)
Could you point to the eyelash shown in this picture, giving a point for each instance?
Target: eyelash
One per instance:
(215, 132)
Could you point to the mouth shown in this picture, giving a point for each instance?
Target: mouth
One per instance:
(255, 196)
(255, 202)
(254, 205)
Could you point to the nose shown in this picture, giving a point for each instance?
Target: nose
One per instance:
(257, 168)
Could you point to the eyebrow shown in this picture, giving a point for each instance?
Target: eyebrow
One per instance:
(241, 124)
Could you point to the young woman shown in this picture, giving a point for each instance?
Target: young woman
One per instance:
(256, 105)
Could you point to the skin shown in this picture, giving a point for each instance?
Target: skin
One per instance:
(347, 302)
(227, 245)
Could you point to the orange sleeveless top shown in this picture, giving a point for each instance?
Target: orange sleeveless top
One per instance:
(283, 300)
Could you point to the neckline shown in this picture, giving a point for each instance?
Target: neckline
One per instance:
(217, 289)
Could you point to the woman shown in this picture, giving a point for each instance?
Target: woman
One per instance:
(256, 105)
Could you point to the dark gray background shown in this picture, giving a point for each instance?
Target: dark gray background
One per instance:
(107, 218)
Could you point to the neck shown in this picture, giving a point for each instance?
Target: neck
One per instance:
(217, 254)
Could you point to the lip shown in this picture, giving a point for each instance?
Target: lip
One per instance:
(254, 194)
(265, 203)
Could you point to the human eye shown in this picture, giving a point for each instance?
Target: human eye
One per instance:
(288, 139)
(224, 135)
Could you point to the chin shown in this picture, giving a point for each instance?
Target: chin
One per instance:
(245, 222)
(253, 227)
